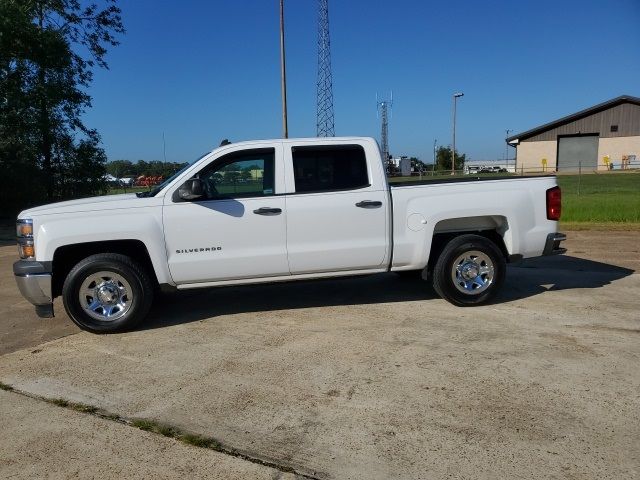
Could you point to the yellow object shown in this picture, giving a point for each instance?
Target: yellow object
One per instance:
(544, 164)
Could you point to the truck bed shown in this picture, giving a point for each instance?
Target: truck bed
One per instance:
(460, 179)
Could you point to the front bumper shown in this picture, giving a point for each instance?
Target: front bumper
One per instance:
(552, 245)
(34, 282)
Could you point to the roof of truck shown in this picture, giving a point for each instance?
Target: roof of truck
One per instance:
(301, 140)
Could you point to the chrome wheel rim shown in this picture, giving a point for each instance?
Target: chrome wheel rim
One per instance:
(105, 296)
(472, 272)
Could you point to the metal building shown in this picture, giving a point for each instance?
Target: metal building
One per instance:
(605, 136)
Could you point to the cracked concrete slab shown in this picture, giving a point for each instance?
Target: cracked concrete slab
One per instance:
(40, 440)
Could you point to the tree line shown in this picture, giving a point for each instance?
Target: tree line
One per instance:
(48, 52)
(154, 168)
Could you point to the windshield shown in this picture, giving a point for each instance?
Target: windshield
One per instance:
(154, 191)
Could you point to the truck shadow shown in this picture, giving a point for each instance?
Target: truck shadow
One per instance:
(530, 278)
(563, 272)
(198, 304)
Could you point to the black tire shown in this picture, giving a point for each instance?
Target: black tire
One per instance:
(448, 266)
(124, 279)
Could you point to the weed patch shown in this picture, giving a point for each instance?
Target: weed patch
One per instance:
(200, 441)
(175, 433)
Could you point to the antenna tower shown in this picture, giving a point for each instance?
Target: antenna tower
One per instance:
(383, 110)
(324, 106)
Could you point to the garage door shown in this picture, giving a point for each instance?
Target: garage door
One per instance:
(576, 152)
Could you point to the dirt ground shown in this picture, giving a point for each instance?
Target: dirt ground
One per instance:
(364, 378)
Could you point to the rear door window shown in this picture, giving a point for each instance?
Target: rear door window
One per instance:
(329, 168)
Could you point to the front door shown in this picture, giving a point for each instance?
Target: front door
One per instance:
(237, 230)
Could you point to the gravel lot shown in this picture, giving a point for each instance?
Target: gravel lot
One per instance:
(364, 378)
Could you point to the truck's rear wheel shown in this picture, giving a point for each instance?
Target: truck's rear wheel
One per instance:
(469, 271)
(106, 293)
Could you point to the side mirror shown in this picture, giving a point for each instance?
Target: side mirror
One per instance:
(192, 189)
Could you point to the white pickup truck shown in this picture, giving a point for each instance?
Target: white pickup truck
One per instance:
(277, 210)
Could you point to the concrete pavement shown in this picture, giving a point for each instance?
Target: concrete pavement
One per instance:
(374, 377)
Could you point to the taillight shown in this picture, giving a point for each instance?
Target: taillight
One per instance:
(554, 203)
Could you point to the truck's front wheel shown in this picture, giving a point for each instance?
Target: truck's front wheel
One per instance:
(469, 271)
(107, 292)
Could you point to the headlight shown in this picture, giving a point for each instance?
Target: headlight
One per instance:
(24, 231)
(24, 228)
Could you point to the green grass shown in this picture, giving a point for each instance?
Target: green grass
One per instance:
(600, 198)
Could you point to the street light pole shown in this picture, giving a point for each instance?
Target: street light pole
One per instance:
(453, 151)
(506, 147)
(283, 74)
(435, 152)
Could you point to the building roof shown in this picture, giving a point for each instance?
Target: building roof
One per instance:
(576, 116)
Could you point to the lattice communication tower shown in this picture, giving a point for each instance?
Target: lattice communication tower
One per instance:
(324, 103)
(383, 107)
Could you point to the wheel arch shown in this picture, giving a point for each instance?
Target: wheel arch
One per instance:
(67, 256)
(481, 226)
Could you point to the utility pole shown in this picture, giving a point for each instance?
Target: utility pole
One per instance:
(164, 148)
(283, 74)
(453, 150)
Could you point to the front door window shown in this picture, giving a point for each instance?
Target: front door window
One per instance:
(243, 175)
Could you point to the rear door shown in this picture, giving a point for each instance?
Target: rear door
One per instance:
(336, 218)
(238, 229)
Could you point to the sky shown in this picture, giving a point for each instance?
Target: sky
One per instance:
(200, 71)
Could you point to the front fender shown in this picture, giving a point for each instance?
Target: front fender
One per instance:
(144, 224)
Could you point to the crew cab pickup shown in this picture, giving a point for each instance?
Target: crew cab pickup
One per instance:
(278, 210)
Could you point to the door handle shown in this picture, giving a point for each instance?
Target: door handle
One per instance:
(268, 211)
(369, 204)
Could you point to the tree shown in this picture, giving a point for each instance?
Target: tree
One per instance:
(245, 174)
(417, 165)
(48, 51)
(231, 176)
(120, 168)
(443, 159)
